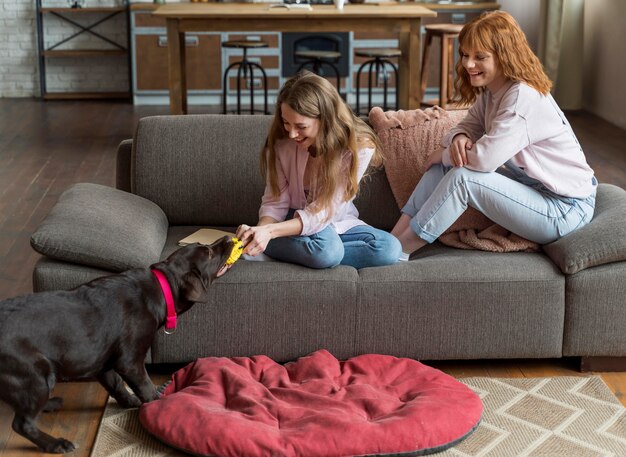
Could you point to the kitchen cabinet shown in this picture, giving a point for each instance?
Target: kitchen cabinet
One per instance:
(151, 70)
(206, 60)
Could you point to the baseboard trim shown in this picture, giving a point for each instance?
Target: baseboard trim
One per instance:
(603, 364)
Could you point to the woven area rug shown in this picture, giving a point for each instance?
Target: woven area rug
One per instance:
(560, 416)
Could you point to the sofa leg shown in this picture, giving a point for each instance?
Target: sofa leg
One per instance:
(603, 364)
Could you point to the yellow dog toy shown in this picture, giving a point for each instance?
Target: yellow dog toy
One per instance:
(236, 252)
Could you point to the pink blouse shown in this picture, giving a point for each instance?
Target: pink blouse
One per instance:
(291, 163)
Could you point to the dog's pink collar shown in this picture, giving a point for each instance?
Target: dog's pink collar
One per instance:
(170, 320)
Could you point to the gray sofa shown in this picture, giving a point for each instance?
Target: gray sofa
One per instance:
(181, 173)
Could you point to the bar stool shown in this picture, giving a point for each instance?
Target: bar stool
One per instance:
(379, 62)
(316, 59)
(447, 33)
(246, 69)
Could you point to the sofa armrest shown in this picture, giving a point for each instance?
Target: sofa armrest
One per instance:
(102, 227)
(122, 165)
(601, 241)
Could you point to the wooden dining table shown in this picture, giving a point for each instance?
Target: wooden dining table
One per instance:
(401, 18)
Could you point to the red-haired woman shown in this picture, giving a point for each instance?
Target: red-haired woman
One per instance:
(514, 157)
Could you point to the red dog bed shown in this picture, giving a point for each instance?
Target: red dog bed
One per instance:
(315, 406)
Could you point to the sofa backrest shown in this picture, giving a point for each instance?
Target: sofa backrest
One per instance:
(200, 169)
(204, 170)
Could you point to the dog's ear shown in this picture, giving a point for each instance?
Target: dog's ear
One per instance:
(194, 287)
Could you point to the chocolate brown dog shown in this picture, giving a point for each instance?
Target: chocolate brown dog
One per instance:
(101, 329)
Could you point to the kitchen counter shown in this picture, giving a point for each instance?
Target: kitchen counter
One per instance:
(465, 6)
(447, 7)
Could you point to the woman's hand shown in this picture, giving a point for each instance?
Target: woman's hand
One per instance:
(254, 239)
(434, 158)
(458, 150)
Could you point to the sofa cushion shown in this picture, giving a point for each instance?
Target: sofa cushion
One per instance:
(601, 241)
(102, 227)
(201, 169)
(449, 303)
(53, 274)
(408, 138)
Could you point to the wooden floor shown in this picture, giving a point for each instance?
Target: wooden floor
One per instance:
(46, 146)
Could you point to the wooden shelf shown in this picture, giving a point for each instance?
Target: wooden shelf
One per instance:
(95, 9)
(111, 47)
(84, 52)
(85, 95)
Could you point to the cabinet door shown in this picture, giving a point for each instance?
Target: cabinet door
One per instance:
(204, 66)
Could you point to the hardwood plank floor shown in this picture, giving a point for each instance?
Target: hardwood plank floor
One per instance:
(47, 146)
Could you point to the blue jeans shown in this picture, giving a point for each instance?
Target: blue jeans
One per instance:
(508, 197)
(361, 246)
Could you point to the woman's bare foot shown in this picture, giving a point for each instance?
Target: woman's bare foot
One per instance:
(408, 239)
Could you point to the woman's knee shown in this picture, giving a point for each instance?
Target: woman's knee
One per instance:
(386, 250)
(465, 183)
(462, 174)
(328, 257)
(391, 252)
(326, 253)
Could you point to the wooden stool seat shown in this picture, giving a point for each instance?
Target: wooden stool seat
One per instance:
(447, 33)
(316, 59)
(243, 44)
(315, 54)
(378, 52)
(440, 29)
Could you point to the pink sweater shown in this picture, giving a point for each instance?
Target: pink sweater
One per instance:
(517, 123)
(291, 163)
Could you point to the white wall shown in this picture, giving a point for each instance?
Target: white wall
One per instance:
(604, 73)
(526, 13)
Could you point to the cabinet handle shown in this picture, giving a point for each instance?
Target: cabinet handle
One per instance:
(190, 41)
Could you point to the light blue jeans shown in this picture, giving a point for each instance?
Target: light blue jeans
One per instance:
(361, 246)
(508, 197)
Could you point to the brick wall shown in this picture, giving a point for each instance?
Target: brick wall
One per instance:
(19, 73)
(18, 49)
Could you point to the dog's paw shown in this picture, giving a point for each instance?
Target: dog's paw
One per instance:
(130, 401)
(53, 404)
(60, 446)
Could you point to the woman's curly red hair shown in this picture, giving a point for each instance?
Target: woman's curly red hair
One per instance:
(498, 33)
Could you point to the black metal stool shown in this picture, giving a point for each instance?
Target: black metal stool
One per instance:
(379, 62)
(245, 68)
(316, 59)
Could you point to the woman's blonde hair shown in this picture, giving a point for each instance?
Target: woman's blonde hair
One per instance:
(498, 33)
(340, 133)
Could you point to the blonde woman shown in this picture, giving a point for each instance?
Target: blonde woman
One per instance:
(514, 157)
(316, 153)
